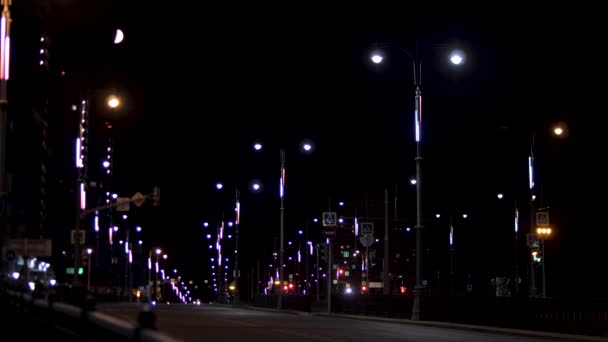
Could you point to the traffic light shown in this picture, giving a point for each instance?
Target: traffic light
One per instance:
(536, 257)
(156, 196)
(363, 288)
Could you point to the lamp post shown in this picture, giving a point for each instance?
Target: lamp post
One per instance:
(89, 252)
(456, 58)
(305, 147)
(237, 272)
(157, 251)
(282, 237)
(5, 25)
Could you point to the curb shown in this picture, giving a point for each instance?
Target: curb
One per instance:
(478, 328)
(291, 312)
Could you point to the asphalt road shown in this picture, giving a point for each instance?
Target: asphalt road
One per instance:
(222, 324)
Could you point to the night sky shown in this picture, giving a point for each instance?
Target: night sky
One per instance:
(219, 77)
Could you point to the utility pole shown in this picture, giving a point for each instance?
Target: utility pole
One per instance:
(531, 175)
(237, 272)
(306, 252)
(4, 77)
(80, 191)
(282, 236)
(317, 278)
(386, 247)
(329, 261)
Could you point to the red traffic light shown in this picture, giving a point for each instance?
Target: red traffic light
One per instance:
(403, 289)
(363, 288)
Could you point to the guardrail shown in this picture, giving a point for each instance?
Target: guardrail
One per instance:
(75, 323)
(578, 316)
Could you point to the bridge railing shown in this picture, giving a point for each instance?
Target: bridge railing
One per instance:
(71, 322)
(585, 316)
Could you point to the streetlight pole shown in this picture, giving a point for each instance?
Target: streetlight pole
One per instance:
(531, 183)
(237, 273)
(317, 277)
(89, 252)
(4, 77)
(282, 237)
(386, 264)
(456, 58)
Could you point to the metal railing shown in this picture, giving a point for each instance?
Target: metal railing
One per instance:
(77, 323)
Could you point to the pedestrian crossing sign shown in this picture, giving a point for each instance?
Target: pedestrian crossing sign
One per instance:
(329, 219)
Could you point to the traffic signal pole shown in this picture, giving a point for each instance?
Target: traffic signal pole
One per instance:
(329, 261)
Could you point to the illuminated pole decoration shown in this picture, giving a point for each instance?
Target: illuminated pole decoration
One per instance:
(282, 237)
(81, 175)
(5, 44)
(237, 272)
(532, 292)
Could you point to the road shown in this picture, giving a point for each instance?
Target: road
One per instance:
(218, 323)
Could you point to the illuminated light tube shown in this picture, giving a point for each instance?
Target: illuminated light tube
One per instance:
(83, 197)
(7, 55)
(78, 159)
(516, 220)
(531, 172)
(96, 221)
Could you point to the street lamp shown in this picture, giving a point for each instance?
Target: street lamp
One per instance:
(89, 252)
(306, 146)
(113, 101)
(457, 58)
(157, 251)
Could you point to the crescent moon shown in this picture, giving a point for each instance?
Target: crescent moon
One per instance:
(119, 36)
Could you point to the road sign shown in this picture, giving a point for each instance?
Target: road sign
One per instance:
(123, 203)
(532, 240)
(138, 199)
(366, 240)
(77, 236)
(367, 228)
(542, 218)
(330, 232)
(329, 219)
(29, 247)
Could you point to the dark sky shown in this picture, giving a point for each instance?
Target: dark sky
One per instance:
(239, 73)
(219, 77)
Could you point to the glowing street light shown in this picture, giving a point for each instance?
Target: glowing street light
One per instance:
(457, 58)
(377, 58)
(113, 101)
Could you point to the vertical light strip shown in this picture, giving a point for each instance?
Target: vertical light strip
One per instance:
(78, 159)
(531, 171)
(96, 221)
(516, 220)
(451, 236)
(2, 46)
(83, 197)
(7, 56)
